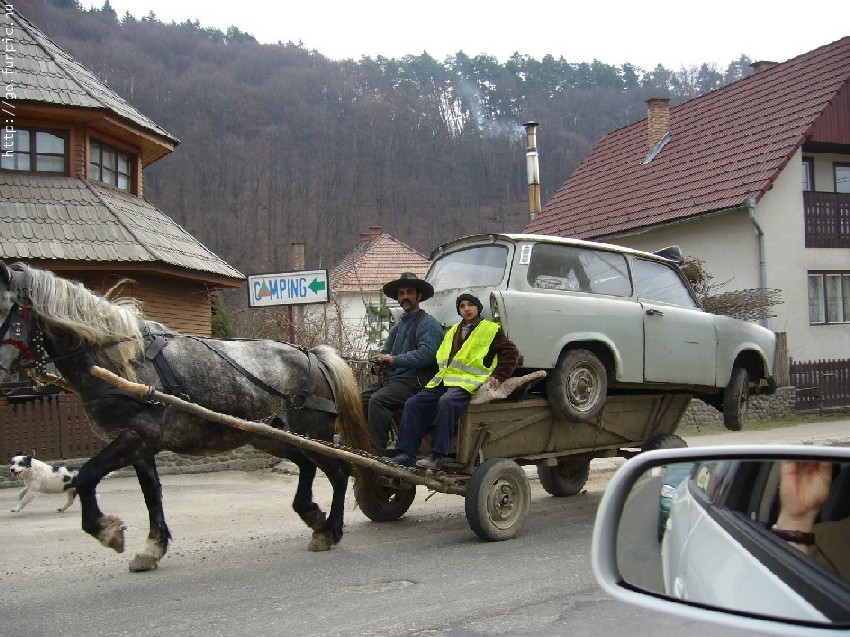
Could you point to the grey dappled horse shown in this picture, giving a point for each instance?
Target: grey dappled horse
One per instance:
(45, 318)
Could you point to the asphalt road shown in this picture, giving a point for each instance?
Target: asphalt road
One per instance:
(238, 566)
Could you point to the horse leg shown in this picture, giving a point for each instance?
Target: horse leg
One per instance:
(338, 473)
(107, 529)
(303, 504)
(156, 544)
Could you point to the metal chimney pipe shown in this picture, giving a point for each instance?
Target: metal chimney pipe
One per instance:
(533, 167)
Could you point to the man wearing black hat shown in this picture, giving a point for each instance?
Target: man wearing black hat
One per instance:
(473, 352)
(409, 352)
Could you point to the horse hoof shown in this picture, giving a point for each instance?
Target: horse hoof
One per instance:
(320, 542)
(112, 533)
(143, 563)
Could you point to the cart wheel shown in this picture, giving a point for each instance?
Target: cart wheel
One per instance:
(664, 441)
(566, 478)
(497, 499)
(383, 504)
(735, 399)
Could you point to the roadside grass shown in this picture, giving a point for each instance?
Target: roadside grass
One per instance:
(790, 421)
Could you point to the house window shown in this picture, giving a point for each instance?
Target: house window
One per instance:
(842, 177)
(110, 165)
(829, 297)
(32, 150)
(808, 174)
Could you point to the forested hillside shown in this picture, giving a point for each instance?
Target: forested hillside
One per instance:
(280, 144)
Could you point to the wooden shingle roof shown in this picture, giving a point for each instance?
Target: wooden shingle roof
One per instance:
(66, 218)
(374, 263)
(46, 74)
(726, 146)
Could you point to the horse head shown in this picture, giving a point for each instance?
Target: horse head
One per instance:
(10, 352)
(18, 324)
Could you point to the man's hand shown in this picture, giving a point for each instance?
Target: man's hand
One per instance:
(385, 359)
(493, 382)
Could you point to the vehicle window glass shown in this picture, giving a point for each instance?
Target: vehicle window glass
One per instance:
(479, 266)
(559, 267)
(659, 282)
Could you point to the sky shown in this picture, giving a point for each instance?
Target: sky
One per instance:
(644, 33)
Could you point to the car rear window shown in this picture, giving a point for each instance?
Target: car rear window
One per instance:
(559, 267)
(658, 282)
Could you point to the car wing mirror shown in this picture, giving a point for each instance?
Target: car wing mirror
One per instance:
(756, 537)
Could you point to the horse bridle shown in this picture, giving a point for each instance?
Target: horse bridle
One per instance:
(20, 330)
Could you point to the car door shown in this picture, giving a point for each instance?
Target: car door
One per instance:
(679, 337)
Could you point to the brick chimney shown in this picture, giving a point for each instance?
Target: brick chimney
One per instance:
(364, 237)
(658, 119)
(762, 65)
(374, 232)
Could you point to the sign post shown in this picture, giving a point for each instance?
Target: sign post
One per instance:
(288, 288)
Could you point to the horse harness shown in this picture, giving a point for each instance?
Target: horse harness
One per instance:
(304, 398)
(20, 329)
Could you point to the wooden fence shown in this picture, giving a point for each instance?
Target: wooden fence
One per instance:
(54, 426)
(821, 384)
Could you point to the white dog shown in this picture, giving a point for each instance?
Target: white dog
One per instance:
(40, 477)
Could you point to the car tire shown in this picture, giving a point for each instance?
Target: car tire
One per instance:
(578, 386)
(566, 478)
(664, 441)
(735, 399)
(383, 504)
(497, 499)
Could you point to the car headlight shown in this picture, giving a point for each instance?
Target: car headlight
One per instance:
(667, 491)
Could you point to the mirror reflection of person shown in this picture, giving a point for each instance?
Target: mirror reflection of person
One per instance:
(803, 489)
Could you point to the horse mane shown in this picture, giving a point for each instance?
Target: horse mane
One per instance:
(111, 325)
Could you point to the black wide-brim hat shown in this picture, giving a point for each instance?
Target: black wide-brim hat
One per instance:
(409, 280)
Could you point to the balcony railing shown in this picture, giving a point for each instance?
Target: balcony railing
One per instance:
(827, 217)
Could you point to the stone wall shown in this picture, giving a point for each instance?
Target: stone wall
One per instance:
(700, 416)
(241, 459)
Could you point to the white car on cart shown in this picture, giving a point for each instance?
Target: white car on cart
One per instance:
(602, 318)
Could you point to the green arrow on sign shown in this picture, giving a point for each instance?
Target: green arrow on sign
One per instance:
(316, 285)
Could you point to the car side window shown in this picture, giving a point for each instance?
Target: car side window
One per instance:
(658, 282)
(557, 267)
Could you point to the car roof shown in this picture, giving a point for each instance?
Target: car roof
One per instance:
(452, 245)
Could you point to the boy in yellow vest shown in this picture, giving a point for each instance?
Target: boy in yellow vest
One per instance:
(473, 352)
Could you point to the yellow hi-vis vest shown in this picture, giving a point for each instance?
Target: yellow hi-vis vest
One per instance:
(466, 370)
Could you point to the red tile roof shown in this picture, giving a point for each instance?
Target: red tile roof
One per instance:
(725, 146)
(375, 262)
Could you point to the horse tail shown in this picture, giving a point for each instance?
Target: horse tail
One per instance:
(349, 406)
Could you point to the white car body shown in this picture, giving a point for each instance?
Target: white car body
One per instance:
(634, 310)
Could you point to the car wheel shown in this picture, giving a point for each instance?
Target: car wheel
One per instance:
(383, 504)
(578, 386)
(497, 499)
(566, 478)
(735, 399)
(664, 441)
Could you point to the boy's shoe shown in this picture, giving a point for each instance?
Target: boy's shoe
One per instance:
(402, 458)
(434, 462)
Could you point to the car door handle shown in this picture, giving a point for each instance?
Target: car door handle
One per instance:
(653, 312)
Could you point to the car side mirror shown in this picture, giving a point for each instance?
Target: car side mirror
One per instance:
(755, 537)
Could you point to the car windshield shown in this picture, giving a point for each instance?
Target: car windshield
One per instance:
(475, 267)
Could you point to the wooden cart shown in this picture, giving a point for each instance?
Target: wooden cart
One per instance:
(494, 440)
